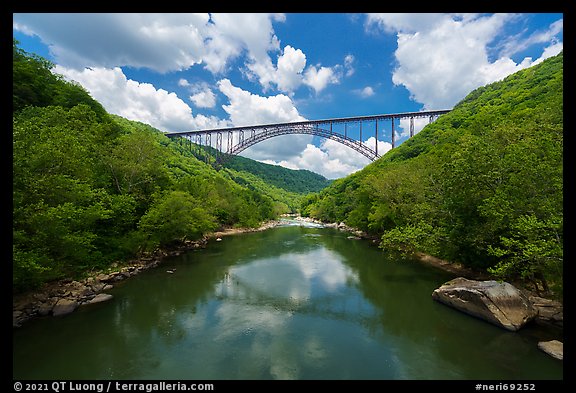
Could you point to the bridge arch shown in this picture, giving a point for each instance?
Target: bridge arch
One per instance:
(241, 138)
(356, 145)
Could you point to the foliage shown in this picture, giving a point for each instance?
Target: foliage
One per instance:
(482, 185)
(90, 188)
(532, 251)
(295, 181)
(174, 216)
(33, 84)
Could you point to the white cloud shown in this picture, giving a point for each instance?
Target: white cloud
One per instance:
(383, 147)
(392, 23)
(317, 159)
(204, 99)
(287, 75)
(138, 101)
(550, 51)
(517, 44)
(229, 34)
(348, 60)
(319, 78)
(331, 159)
(443, 57)
(202, 95)
(366, 92)
(245, 109)
(161, 42)
(290, 67)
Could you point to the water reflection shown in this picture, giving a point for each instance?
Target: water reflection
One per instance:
(289, 303)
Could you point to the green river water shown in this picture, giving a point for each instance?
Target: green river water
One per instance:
(292, 302)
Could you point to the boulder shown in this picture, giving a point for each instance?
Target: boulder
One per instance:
(497, 302)
(550, 312)
(101, 297)
(63, 307)
(553, 348)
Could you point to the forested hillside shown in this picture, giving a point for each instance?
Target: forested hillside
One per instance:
(286, 187)
(297, 181)
(482, 185)
(90, 188)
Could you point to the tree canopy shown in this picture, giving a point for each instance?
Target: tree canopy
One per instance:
(482, 185)
(91, 188)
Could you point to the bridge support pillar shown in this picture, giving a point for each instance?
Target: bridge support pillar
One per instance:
(376, 138)
(393, 136)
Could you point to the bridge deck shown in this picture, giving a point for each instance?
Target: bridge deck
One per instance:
(237, 141)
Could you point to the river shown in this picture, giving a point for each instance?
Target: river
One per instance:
(292, 302)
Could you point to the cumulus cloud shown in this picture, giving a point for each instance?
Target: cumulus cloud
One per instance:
(202, 95)
(246, 109)
(162, 42)
(331, 159)
(290, 67)
(286, 76)
(319, 77)
(317, 159)
(138, 101)
(291, 72)
(204, 99)
(366, 92)
(442, 57)
(229, 34)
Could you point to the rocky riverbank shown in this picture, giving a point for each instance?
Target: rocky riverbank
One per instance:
(65, 296)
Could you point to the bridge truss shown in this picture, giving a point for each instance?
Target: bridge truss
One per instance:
(348, 131)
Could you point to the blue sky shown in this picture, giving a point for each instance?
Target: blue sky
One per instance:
(180, 72)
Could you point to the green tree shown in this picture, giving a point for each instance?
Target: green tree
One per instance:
(532, 251)
(174, 217)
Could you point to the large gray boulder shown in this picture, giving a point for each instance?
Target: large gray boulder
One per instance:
(497, 302)
(64, 307)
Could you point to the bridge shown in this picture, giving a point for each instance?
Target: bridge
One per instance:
(348, 131)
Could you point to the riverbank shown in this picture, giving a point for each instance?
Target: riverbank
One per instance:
(550, 312)
(65, 296)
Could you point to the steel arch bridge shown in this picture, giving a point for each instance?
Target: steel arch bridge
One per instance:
(348, 131)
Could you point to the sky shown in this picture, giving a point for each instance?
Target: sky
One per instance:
(184, 72)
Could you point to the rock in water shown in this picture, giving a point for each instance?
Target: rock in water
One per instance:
(497, 302)
(101, 297)
(64, 306)
(553, 348)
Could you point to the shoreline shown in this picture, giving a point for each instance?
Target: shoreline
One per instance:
(64, 296)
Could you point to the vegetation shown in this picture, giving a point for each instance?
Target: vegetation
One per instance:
(482, 185)
(295, 181)
(91, 188)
